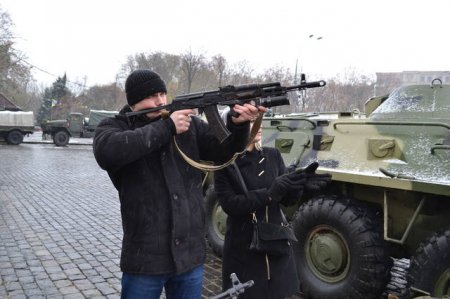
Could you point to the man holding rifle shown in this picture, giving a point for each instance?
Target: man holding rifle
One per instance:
(161, 199)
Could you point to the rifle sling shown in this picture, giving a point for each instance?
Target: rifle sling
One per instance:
(207, 167)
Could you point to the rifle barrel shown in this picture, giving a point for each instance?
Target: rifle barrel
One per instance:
(313, 84)
(145, 111)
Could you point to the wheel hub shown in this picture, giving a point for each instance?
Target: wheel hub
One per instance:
(327, 254)
(219, 221)
(443, 284)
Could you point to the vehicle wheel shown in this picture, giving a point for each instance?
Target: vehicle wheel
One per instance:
(14, 137)
(216, 222)
(397, 286)
(340, 251)
(430, 266)
(61, 138)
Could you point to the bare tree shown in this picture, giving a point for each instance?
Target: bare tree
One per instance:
(241, 73)
(346, 92)
(191, 64)
(6, 23)
(277, 74)
(190, 71)
(219, 65)
(15, 75)
(104, 97)
(168, 66)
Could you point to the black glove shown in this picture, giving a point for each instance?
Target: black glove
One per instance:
(315, 182)
(292, 197)
(289, 182)
(311, 168)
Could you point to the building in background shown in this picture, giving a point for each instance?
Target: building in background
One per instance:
(386, 82)
(413, 77)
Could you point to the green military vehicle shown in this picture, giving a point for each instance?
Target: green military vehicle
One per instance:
(76, 125)
(387, 214)
(14, 125)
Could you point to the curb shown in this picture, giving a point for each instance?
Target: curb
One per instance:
(74, 142)
(51, 143)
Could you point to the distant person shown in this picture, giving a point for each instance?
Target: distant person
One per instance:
(269, 185)
(161, 200)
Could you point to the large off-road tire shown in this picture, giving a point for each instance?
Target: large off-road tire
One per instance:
(397, 286)
(216, 221)
(15, 137)
(430, 266)
(61, 138)
(340, 251)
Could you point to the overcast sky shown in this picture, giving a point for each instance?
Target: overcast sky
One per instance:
(92, 38)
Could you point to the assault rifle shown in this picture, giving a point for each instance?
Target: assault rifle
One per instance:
(267, 95)
(236, 288)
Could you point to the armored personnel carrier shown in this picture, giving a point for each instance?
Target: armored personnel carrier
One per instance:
(390, 195)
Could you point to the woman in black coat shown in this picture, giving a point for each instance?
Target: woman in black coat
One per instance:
(274, 276)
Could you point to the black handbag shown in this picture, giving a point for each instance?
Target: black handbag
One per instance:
(268, 238)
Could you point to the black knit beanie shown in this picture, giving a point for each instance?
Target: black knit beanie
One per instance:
(141, 84)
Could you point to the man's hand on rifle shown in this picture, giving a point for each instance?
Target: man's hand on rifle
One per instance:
(182, 119)
(247, 112)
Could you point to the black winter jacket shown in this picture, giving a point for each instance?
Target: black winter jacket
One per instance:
(161, 200)
(274, 276)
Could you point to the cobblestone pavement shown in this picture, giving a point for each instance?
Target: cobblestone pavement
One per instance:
(60, 230)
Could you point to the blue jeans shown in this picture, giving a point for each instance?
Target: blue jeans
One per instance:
(187, 285)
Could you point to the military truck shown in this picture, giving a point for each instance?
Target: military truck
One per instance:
(76, 125)
(14, 125)
(389, 199)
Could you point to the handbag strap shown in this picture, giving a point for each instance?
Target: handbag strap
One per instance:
(241, 179)
(244, 187)
(283, 217)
